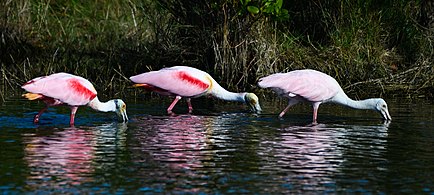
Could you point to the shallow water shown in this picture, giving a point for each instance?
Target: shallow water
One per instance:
(221, 148)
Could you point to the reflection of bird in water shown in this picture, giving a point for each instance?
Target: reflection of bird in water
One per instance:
(73, 91)
(67, 156)
(183, 81)
(316, 87)
(309, 154)
(314, 156)
(180, 142)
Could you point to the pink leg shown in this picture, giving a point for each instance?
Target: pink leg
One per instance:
(284, 111)
(72, 116)
(290, 103)
(169, 110)
(36, 118)
(190, 107)
(315, 112)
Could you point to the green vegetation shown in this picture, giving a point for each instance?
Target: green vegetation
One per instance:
(370, 47)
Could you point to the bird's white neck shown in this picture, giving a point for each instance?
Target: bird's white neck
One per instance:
(221, 93)
(109, 106)
(367, 104)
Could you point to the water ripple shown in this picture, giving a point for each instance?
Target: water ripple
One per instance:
(218, 153)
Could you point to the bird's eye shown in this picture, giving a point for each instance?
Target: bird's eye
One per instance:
(124, 106)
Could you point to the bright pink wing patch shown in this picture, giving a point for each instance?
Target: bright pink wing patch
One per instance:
(186, 77)
(81, 90)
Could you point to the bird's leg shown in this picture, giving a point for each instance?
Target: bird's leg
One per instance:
(190, 107)
(291, 102)
(284, 111)
(315, 112)
(36, 118)
(72, 116)
(169, 110)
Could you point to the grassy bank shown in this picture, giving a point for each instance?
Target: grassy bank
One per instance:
(371, 48)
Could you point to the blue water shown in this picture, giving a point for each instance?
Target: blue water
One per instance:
(220, 149)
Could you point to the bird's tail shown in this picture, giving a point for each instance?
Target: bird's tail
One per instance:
(151, 88)
(140, 85)
(32, 96)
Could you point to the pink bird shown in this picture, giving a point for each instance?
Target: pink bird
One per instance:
(183, 81)
(316, 87)
(70, 90)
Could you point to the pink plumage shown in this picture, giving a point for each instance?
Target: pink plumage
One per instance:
(70, 90)
(188, 82)
(316, 87)
(312, 85)
(167, 81)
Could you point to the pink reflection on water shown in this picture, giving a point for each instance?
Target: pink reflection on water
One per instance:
(310, 154)
(61, 157)
(64, 156)
(180, 142)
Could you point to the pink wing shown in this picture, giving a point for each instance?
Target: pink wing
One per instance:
(179, 80)
(69, 89)
(312, 85)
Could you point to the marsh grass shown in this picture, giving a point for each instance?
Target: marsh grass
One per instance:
(99, 40)
(370, 47)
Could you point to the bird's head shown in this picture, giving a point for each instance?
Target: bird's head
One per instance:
(121, 110)
(253, 102)
(382, 108)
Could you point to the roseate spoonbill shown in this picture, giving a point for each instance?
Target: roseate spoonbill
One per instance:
(188, 82)
(316, 87)
(73, 91)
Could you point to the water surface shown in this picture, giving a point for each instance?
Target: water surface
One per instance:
(219, 149)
